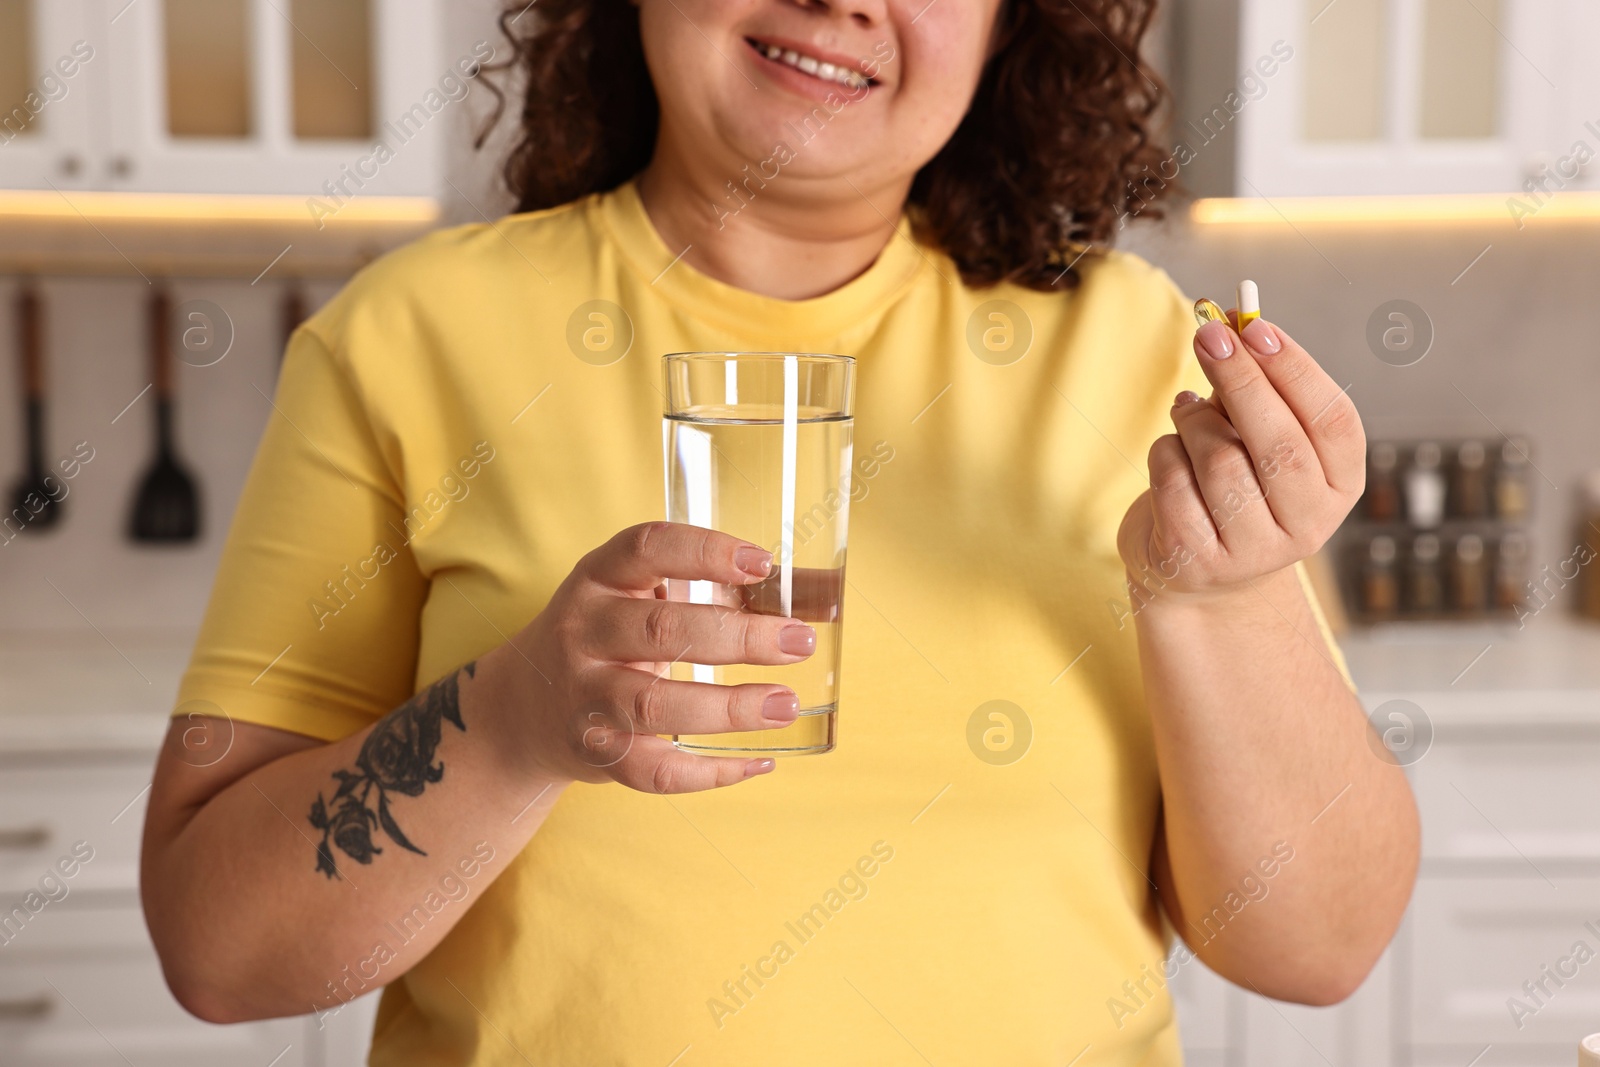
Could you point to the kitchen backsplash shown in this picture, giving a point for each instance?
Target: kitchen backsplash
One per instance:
(1515, 329)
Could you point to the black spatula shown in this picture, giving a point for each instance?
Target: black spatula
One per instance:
(167, 508)
(31, 495)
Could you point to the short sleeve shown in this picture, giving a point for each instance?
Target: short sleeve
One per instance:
(313, 620)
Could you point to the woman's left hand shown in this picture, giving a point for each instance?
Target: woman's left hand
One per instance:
(1255, 479)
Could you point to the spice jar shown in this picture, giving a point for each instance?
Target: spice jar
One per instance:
(1589, 538)
(1425, 487)
(1511, 572)
(1511, 484)
(1380, 585)
(1468, 574)
(1383, 484)
(1425, 587)
(1469, 488)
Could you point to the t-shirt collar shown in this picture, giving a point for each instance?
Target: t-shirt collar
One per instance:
(780, 323)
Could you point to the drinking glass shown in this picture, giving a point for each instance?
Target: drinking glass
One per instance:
(758, 445)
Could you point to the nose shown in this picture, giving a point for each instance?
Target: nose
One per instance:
(864, 13)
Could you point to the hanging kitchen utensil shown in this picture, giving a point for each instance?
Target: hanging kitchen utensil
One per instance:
(167, 508)
(31, 495)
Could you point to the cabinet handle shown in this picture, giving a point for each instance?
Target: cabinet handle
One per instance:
(27, 1009)
(71, 166)
(22, 838)
(120, 167)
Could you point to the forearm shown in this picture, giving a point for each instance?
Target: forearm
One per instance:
(1259, 741)
(267, 900)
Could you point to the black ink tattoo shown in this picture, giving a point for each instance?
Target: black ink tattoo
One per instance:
(397, 757)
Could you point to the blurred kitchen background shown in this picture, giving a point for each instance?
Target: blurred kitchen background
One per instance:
(1410, 181)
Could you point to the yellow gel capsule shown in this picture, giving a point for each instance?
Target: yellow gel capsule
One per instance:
(1207, 311)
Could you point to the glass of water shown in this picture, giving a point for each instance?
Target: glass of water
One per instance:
(758, 445)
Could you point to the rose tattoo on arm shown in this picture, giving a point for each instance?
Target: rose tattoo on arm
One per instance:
(397, 757)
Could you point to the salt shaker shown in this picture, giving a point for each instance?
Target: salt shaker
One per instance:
(1425, 487)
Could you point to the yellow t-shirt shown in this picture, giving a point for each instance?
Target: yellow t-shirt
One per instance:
(455, 430)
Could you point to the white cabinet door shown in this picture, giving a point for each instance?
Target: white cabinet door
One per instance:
(49, 68)
(81, 822)
(1497, 961)
(183, 122)
(1352, 112)
(1576, 146)
(83, 989)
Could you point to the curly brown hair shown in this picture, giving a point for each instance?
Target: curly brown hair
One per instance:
(1057, 149)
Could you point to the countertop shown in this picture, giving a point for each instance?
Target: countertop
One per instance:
(112, 691)
(1484, 673)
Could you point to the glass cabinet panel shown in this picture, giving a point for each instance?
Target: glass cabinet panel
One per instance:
(16, 67)
(1346, 69)
(1460, 69)
(332, 69)
(208, 68)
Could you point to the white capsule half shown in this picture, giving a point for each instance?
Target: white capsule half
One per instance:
(1249, 303)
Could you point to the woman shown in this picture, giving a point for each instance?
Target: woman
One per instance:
(436, 506)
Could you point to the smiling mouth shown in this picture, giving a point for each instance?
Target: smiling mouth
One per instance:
(811, 65)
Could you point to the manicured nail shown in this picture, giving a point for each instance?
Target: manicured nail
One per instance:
(758, 766)
(1259, 336)
(1188, 396)
(781, 707)
(1217, 341)
(798, 640)
(756, 562)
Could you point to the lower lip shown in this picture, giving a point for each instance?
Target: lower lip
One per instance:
(798, 81)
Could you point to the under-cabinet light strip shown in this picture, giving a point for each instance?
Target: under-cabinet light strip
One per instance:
(1511, 208)
(210, 207)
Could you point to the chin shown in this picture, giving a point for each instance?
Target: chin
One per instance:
(796, 144)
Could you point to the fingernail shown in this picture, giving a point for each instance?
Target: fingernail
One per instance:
(756, 562)
(1261, 337)
(781, 707)
(1217, 342)
(758, 766)
(800, 640)
(1188, 396)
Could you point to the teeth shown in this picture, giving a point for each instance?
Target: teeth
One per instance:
(812, 66)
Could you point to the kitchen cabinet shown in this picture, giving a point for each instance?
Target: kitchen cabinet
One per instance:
(80, 984)
(231, 96)
(1500, 947)
(45, 91)
(1416, 96)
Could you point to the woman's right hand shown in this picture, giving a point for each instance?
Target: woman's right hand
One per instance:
(583, 687)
